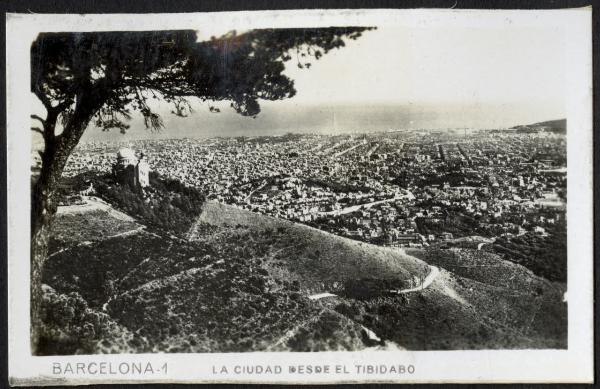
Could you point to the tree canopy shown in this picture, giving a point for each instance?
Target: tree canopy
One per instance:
(105, 76)
(125, 70)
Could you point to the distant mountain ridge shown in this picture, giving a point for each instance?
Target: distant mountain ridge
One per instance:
(558, 126)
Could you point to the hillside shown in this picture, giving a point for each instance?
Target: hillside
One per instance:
(240, 281)
(141, 291)
(509, 305)
(557, 126)
(91, 220)
(316, 259)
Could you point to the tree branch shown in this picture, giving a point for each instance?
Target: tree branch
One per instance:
(42, 96)
(36, 117)
(38, 130)
(63, 105)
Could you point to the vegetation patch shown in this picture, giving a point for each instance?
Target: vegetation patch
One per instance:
(545, 255)
(70, 327)
(209, 295)
(241, 282)
(320, 261)
(89, 225)
(166, 205)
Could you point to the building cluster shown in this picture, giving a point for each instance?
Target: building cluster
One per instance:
(393, 188)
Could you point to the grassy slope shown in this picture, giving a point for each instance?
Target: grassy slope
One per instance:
(241, 283)
(316, 259)
(478, 301)
(505, 303)
(82, 223)
(179, 296)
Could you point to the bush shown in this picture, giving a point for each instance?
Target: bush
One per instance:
(69, 327)
(545, 256)
(166, 204)
(351, 311)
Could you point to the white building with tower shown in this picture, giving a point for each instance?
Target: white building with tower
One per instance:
(131, 170)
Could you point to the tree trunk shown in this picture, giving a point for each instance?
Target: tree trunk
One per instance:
(44, 197)
(43, 208)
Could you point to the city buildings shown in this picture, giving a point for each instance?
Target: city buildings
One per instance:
(399, 188)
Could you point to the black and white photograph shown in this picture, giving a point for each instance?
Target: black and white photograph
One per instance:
(352, 187)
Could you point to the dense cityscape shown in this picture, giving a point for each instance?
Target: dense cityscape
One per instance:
(398, 188)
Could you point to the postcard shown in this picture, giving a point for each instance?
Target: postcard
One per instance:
(301, 196)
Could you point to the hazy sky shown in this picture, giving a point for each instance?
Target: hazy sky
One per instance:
(406, 77)
(431, 65)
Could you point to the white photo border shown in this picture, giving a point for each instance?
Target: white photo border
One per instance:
(473, 366)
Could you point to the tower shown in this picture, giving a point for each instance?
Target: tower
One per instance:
(129, 170)
(142, 170)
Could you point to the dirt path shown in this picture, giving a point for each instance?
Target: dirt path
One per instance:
(292, 332)
(304, 325)
(89, 242)
(321, 295)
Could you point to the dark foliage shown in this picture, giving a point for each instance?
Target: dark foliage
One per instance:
(166, 204)
(103, 77)
(132, 68)
(546, 255)
(455, 223)
(368, 288)
(95, 271)
(175, 296)
(71, 327)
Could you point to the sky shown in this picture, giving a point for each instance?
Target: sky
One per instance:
(394, 78)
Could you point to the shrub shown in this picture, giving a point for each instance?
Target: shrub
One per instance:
(69, 326)
(166, 204)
